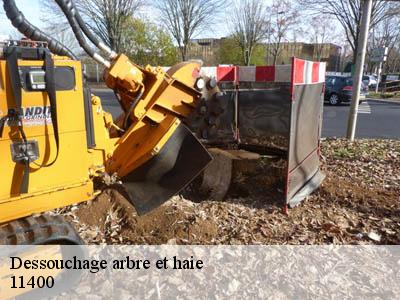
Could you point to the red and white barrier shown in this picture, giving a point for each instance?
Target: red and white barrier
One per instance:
(308, 72)
(300, 72)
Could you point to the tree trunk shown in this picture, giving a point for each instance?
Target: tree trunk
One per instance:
(355, 47)
(247, 56)
(183, 51)
(275, 56)
(355, 53)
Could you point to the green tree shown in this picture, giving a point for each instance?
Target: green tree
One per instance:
(231, 53)
(145, 43)
(258, 57)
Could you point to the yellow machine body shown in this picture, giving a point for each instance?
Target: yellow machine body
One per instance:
(68, 180)
(166, 99)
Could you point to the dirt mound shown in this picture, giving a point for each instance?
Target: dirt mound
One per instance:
(358, 203)
(175, 222)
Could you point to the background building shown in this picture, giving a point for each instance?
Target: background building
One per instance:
(207, 50)
(326, 52)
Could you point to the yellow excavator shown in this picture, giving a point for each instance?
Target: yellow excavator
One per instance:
(58, 146)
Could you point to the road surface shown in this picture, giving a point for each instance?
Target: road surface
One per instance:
(376, 119)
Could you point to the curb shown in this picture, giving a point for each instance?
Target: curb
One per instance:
(101, 90)
(384, 100)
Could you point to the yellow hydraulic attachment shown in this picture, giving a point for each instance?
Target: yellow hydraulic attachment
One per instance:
(59, 147)
(149, 147)
(57, 144)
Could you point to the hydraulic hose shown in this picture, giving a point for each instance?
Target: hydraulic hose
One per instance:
(111, 53)
(132, 106)
(78, 33)
(32, 32)
(99, 44)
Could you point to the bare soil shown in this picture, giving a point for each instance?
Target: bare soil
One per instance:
(358, 203)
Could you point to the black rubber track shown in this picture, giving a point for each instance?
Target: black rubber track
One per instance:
(40, 230)
(44, 230)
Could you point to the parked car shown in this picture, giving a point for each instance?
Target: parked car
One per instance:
(339, 89)
(370, 81)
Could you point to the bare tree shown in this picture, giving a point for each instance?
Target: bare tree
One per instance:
(109, 18)
(106, 18)
(321, 31)
(393, 62)
(348, 13)
(65, 36)
(386, 34)
(249, 26)
(283, 19)
(185, 18)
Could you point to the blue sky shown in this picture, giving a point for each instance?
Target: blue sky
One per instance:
(31, 10)
(33, 13)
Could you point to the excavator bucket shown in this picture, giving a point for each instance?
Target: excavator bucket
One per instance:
(181, 159)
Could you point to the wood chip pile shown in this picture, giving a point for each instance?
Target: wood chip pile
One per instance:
(358, 203)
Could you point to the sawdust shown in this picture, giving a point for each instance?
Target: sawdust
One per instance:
(358, 203)
(175, 222)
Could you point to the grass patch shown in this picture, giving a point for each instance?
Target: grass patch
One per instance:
(384, 96)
